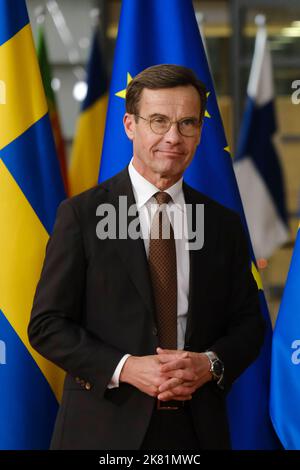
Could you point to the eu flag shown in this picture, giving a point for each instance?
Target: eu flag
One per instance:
(285, 383)
(152, 32)
(30, 191)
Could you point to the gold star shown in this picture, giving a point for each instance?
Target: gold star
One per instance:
(256, 276)
(227, 149)
(122, 93)
(206, 114)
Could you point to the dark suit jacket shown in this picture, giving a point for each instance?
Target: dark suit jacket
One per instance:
(94, 303)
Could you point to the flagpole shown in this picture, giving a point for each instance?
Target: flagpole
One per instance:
(260, 22)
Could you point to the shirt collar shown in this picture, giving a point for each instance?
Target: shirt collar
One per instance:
(144, 190)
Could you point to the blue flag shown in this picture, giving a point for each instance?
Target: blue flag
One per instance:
(285, 378)
(87, 145)
(30, 191)
(148, 35)
(257, 165)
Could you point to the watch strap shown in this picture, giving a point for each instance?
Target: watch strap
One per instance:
(212, 356)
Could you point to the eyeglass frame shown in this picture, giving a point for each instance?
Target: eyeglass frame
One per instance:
(171, 122)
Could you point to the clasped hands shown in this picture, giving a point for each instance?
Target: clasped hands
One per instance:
(168, 375)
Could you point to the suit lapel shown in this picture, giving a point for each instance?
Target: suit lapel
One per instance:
(199, 264)
(132, 251)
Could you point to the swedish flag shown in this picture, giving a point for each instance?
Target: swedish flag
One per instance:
(30, 191)
(152, 33)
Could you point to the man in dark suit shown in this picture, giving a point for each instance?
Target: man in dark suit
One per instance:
(151, 333)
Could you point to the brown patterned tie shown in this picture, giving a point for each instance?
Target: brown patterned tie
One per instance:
(162, 263)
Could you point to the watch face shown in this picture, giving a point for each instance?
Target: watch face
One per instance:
(218, 368)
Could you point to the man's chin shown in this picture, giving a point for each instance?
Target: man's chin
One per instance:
(169, 170)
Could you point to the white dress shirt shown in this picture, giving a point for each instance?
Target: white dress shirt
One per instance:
(144, 192)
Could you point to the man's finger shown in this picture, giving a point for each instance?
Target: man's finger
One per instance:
(186, 375)
(165, 351)
(169, 384)
(177, 386)
(170, 358)
(173, 365)
(170, 351)
(169, 395)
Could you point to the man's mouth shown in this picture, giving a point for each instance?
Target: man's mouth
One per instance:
(170, 152)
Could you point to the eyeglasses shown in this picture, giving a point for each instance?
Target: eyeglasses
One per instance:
(188, 127)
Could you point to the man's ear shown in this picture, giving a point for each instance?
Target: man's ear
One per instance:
(129, 125)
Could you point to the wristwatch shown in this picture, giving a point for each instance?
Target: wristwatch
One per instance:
(216, 366)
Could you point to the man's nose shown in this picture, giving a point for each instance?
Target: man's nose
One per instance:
(173, 134)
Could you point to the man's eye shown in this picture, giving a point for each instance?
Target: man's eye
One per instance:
(189, 123)
(160, 120)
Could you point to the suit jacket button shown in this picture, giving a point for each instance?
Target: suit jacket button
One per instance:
(154, 331)
(88, 386)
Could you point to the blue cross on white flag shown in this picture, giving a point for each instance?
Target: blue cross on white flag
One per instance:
(257, 165)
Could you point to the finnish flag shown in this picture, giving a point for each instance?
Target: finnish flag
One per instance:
(257, 165)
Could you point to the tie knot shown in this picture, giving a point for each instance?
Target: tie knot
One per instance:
(162, 197)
